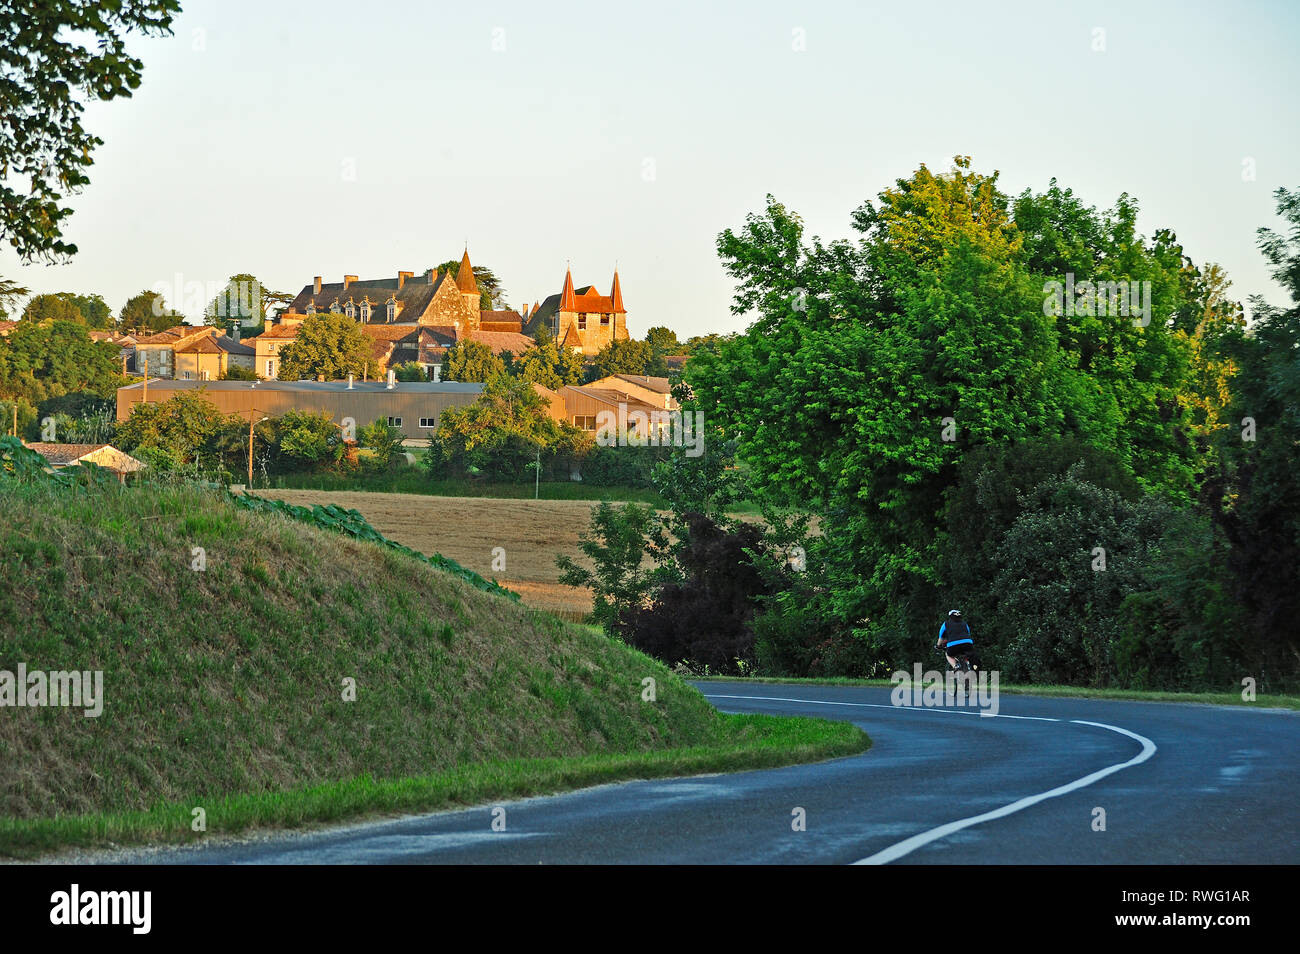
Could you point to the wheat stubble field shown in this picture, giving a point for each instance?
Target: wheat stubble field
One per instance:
(466, 529)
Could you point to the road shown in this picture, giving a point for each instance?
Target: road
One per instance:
(1177, 783)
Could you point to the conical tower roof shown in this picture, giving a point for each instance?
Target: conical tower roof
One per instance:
(616, 295)
(568, 301)
(465, 275)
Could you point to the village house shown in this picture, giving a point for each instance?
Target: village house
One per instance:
(59, 456)
(191, 353)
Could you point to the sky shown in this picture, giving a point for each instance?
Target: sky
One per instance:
(294, 139)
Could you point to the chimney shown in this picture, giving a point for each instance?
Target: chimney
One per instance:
(349, 382)
(235, 336)
(315, 285)
(433, 275)
(348, 280)
(392, 380)
(401, 279)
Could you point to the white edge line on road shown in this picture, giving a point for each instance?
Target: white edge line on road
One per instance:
(907, 846)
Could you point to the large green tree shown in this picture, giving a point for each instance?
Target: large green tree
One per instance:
(471, 361)
(50, 359)
(146, 313)
(492, 294)
(90, 310)
(1254, 492)
(10, 294)
(244, 299)
(327, 346)
(57, 54)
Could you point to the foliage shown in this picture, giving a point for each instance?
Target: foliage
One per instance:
(627, 357)
(471, 361)
(56, 55)
(146, 313)
(40, 360)
(329, 347)
(237, 372)
(410, 371)
(617, 544)
(500, 435)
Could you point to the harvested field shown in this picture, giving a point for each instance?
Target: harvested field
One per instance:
(532, 532)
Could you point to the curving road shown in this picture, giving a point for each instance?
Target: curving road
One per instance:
(1178, 784)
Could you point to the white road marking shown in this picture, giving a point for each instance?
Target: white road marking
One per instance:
(908, 845)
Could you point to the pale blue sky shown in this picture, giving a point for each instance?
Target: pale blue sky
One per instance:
(233, 153)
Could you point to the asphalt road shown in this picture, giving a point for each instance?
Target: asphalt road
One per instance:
(1178, 784)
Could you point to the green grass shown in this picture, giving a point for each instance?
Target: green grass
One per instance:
(1262, 700)
(753, 741)
(413, 481)
(224, 688)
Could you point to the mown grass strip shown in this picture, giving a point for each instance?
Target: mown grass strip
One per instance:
(758, 741)
(1261, 701)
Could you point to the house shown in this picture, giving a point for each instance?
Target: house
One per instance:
(584, 406)
(188, 352)
(105, 455)
(642, 387)
(582, 318)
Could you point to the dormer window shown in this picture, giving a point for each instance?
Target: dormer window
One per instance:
(311, 308)
(350, 309)
(334, 307)
(365, 312)
(391, 311)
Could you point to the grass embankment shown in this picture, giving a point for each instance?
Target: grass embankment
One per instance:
(1261, 700)
(224, 688)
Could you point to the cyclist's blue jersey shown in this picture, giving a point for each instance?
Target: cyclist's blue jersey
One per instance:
(960, 641)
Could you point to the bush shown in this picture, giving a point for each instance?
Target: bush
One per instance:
(704, 619)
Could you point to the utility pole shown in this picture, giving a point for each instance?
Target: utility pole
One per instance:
(537, 474)
(251, 423)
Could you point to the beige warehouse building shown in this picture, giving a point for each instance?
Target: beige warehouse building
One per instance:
(412, 407)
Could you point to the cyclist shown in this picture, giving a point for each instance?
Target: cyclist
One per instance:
(954, 633)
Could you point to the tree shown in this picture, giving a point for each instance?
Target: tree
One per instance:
(90, 310)
(146, 313)
(236, 372)
(383, 440)
(180, 430)
(56, 307)
(471, 361)
(244, 299)
(663, 340)
(616, 545)
(1253, 493)
(411, 371)
(10, 294)
(306, 438)
(56, 54)
(328, 346)
(50, 359)
(501, 433)
(626, 357)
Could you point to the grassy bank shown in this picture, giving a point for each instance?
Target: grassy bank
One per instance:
(1261, 701)
(746, 742)
(277, 673)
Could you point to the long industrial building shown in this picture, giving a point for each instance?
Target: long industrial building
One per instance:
(412, 407)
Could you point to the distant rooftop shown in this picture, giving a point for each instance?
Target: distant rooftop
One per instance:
(419, 387)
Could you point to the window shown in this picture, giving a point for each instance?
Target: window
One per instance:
(365, 311)
(270, 369)
(582, 322)
(392, 310)
(350, 310)
(604, 321)
(185, 375)
(334, 308)
(203, 375)
(584, 423)
(428, 422)
(311, 308)
(394, 422)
